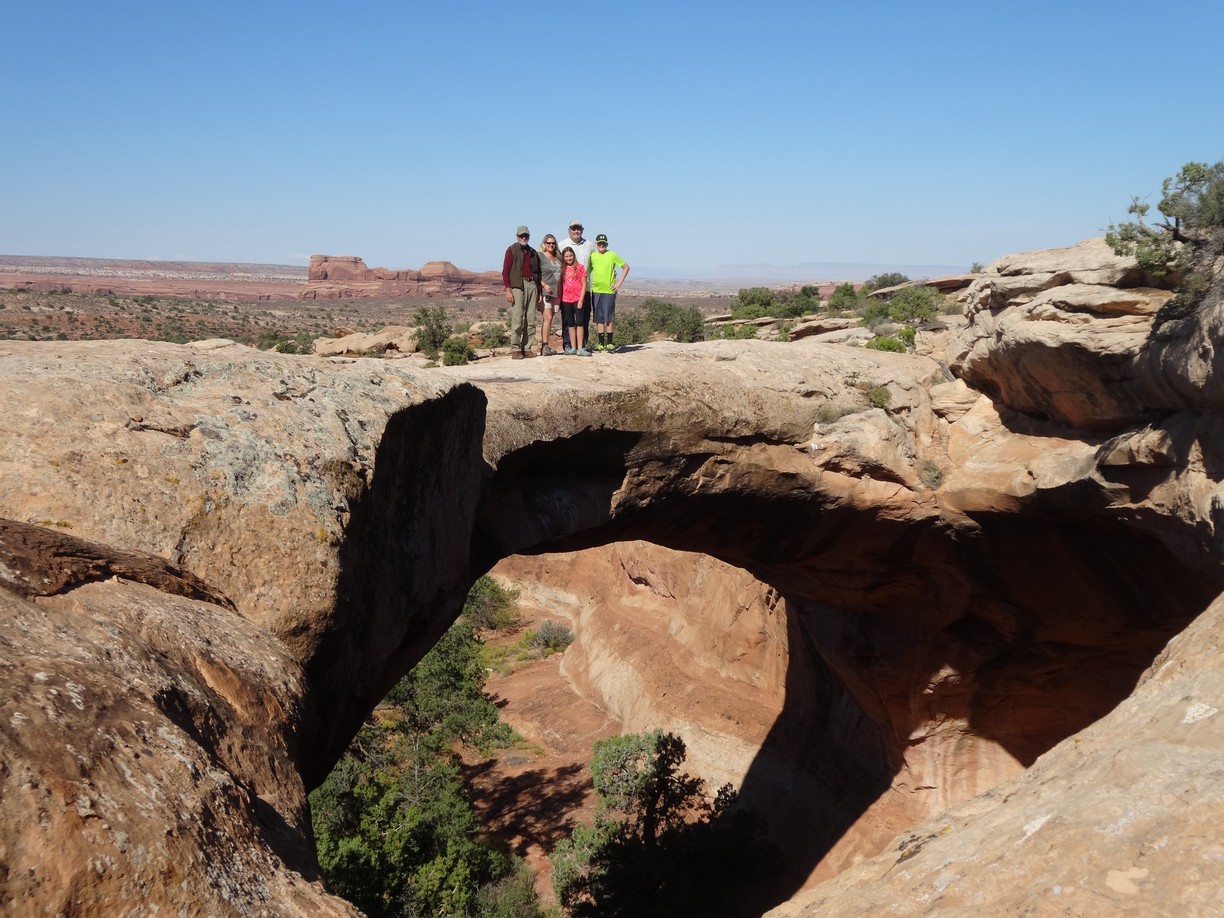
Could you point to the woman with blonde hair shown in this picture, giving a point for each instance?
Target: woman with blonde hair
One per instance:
(550, 283)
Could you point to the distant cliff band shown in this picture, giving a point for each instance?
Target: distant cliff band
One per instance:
(343, 276)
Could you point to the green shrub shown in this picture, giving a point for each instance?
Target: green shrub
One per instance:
(394, 831)
(678, 323)
(914, 304)
(753, 303)
(878, 396)
(880, 281)
(432, 330)
(492, 334)
(630, 327)
(491, 606)
(885, 343)
(551, 637)
(456, 351)
(844, 299)
(761, 302)
(907, 334)
(730, 332)
(660, 846)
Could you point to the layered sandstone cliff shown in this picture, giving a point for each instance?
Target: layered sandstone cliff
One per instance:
(217, 560)
(341, 276)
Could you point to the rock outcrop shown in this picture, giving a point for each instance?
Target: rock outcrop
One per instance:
(260, 544)
(341, 276)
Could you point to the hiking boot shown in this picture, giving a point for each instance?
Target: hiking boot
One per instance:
(528, 353)
(546, 351)
(517, 355)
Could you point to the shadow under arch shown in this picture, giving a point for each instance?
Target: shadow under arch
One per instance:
(1044, 604)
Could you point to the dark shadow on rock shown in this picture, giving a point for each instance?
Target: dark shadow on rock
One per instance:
(403, 570)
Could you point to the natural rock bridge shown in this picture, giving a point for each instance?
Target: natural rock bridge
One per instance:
(956, 574)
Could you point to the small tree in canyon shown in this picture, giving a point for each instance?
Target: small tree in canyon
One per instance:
(659, 845)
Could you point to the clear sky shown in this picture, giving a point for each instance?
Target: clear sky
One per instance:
(696, 135)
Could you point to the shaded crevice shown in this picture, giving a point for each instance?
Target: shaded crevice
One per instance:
(403, 569)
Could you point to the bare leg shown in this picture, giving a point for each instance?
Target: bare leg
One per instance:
(547, 331)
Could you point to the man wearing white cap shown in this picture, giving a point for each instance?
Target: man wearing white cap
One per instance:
(521, 278)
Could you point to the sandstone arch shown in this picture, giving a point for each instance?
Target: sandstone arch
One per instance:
(342, 507)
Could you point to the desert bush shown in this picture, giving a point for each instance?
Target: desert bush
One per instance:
(844, 298)
(456, 351)
(878, 396)
(551, 637)
(913, 304)
(730, 332)
(880, 281)
(761, 302)
(432, 330)
(660, 846)
(1188, 243)
(492, 334)
(930, 474)
(885, 343)
(394, 831)
(909, 306)
(630, 327)
(491, 606)
(679, 323)
(753, 303)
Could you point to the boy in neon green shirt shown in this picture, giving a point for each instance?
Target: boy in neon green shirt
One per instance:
(604, 285)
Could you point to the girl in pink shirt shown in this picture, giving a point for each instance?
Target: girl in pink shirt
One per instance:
(573, 285)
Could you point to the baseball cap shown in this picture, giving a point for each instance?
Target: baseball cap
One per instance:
(522, 231)
(577, 223)
(601, 238)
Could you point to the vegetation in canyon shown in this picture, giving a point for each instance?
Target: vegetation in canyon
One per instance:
(394, 829)
(659, 846)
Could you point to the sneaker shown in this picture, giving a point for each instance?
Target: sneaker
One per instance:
(569, 350)
(547, 351)
(582, 352)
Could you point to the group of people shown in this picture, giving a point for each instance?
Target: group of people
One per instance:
(575, 279)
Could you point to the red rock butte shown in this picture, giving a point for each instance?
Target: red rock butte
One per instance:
(344, 276)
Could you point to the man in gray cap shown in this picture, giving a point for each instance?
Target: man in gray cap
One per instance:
(521, 278)
(582, 254)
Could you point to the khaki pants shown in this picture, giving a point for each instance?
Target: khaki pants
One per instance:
(523, 316)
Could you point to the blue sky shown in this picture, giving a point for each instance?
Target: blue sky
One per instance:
(694, 135)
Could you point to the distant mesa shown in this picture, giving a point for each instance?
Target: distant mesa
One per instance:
(333, 277)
